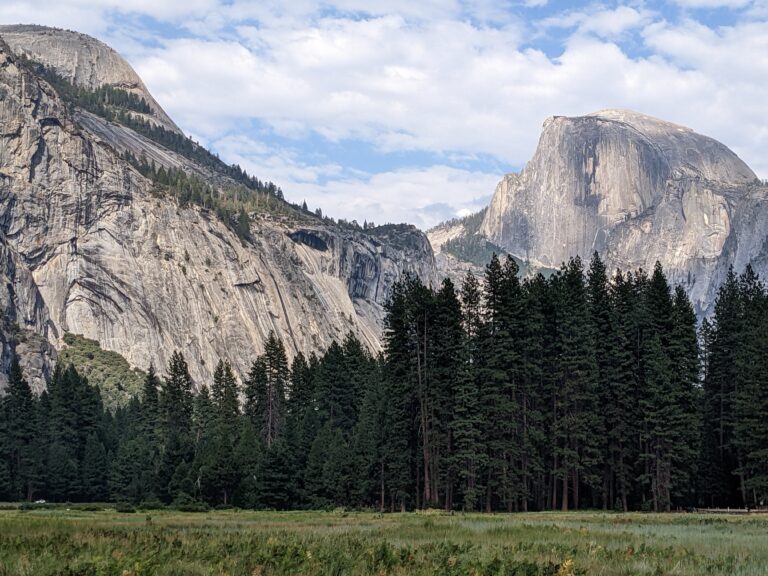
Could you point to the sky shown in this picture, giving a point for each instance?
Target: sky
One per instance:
(412, 110)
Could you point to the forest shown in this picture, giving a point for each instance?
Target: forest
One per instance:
(580, 390)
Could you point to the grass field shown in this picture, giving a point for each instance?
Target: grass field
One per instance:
(77, 542)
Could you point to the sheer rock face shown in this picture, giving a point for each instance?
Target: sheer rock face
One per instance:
(87, 248)
(83, 61)
(24, 322)
(637, 190)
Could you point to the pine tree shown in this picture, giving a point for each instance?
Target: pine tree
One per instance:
(366, 445)
(602, 328)
(69, 420)
(248, 455)
(176, 396)
(497, 387)
(198, 477)
(17, 409)
(750, 393)
(224, 468)
(532, 401)
(176, 440)
(94, 470)
(301, 418)
(335, 389)
(449, 366)
(684, 357)
(720, 485)
(467, 455)
(148, 438)
(398, 449)
(273, 484)
(620, 407)
(265, 391)
(6, 483)
(577, 428)
(664, 418)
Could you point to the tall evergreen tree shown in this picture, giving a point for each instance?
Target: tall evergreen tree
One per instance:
(577, 427)
(750, 393)
(497, 385)
(720, 486)
(176, 445)
(265, 390)
(398, 449)
(468, 454)
(17, 410)
(223, 468)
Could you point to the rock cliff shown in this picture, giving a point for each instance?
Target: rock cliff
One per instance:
(89, 245)
(636, 189)
(83, 61)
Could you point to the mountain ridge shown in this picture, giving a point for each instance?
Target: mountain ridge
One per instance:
(82, 59)
(150, 262)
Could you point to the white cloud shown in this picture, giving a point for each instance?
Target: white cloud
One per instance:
(420, 196)
(600, 21)
(450, 87)
(423, 196)
(712, 3)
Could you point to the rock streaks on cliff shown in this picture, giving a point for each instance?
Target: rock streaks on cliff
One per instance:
(89, 248)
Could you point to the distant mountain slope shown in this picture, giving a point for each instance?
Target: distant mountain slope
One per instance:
(460, 247)
(117, 228)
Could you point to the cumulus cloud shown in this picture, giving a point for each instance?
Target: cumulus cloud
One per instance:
(423, 196)
(600, 21)
(713, 3)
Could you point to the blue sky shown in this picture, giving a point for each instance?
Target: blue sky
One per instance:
(412, 111)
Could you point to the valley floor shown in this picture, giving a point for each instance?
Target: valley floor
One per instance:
(89, 542)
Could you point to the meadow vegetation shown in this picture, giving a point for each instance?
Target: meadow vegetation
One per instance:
(77, 541)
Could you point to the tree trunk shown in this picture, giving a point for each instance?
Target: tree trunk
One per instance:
(381, 477)
(553, 492)
(575, 479)
(565, 492)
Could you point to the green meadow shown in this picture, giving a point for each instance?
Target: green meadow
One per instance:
(104, 542)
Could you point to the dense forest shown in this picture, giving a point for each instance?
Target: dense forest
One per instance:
(572, 391)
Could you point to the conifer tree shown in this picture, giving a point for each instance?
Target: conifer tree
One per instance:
(532, 386)
(750, 425)
(719, 486)
(398, 418)
(497, 385)
(17, 410)
(468, 455)
(449, 368)
(176, 440)
(684, 356)
(577, 427)
(94, 470)
(621, 399)
(367, 442)
(602, 328)
(223, 469)
(265, 391)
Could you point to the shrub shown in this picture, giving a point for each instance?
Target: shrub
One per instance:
(124, 508)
